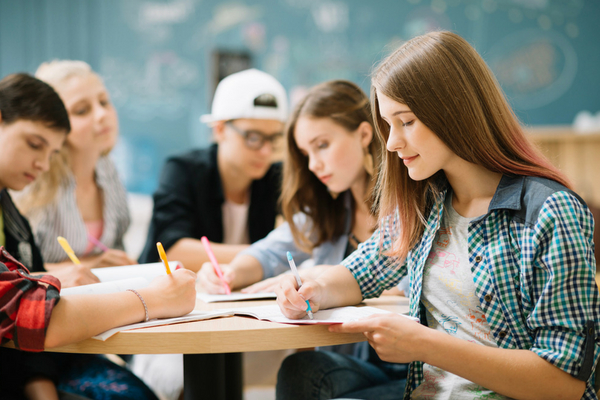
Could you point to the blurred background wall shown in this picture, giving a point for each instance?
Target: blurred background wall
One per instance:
(161, 58)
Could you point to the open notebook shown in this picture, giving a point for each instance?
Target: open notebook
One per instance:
(337, 315)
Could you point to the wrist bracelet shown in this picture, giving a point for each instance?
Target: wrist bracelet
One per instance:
(143, 302)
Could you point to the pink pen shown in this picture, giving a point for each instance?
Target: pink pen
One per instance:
(97, 243)
(214, 262)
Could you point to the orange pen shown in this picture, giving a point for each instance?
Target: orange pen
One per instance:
(163, 256)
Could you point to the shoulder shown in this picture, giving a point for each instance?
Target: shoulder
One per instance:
(200, 157)
(544, 198)
(198, 160)
(107, 173)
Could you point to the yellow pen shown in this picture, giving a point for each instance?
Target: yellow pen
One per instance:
(67, 248)
(163, 256)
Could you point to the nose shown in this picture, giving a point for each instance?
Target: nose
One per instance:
(314, 164)
(267, 149)
(99, 112)
(395, 140)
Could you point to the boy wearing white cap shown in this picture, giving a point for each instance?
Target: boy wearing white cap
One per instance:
(227, 192)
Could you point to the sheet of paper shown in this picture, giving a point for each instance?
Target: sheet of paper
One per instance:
(235, 296)
(148, 271)
(193, 316)
(331, 316)
(107, 287)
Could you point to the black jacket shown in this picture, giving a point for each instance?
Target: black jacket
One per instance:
(189, 199)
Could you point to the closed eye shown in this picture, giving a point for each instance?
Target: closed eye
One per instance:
(409, 123)
(35, 146)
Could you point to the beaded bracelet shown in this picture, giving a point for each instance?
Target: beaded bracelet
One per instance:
(143, 302)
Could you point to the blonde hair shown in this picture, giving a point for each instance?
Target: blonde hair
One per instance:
(43, 190)
(451, 90)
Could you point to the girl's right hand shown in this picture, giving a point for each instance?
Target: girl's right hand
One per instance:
(208, 280)
(171, 295)
(292, 301)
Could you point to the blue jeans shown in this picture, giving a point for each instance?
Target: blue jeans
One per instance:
(325, 375)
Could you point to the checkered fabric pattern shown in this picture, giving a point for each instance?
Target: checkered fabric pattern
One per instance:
(532, 261)
(26, 303)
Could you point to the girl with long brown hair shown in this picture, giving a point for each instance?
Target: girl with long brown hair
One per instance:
(498, 250)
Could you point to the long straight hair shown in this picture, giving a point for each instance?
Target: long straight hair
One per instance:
(348, 106)
(450, 89)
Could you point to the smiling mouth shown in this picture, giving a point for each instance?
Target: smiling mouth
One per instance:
(408, 160)
(325, 178)
(30, 177)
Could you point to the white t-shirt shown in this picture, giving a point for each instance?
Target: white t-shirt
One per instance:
(452, 307)
(235, 223)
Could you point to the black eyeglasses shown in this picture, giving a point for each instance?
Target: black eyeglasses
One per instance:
(255, 140)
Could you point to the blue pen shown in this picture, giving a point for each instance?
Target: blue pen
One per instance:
(298, 281)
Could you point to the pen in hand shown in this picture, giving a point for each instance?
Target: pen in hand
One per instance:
(97, 243)
(163, 256)
(215, 263)
(298, 281)
(67, 248)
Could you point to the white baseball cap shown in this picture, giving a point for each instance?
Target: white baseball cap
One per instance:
(249, 94)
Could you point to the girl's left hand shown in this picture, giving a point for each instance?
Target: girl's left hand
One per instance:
(394, 337)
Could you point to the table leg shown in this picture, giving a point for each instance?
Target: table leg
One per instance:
(213, 376)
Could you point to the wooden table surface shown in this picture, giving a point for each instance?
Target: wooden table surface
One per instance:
(225, 335)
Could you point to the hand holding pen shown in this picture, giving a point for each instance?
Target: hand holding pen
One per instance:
(215, 264)
(297, 299)
(298, 281)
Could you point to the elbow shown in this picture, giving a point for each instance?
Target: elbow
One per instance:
(573, 391)
(52, 341)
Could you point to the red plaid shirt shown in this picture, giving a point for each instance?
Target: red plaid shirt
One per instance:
(26, 304)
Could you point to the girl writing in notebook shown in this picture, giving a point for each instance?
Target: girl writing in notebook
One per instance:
(326, 200)
(33, 126)
(81, 196)
(497, 248)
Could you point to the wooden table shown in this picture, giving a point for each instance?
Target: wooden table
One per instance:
(210, 370)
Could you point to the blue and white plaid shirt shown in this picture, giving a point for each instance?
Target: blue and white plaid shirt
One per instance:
(532, 262)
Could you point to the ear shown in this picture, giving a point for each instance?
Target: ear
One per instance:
(218, 129)
(365, 130)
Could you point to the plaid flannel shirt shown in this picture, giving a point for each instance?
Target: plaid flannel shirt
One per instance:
(26, 304)
(532, 262)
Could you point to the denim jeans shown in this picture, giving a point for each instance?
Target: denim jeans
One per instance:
(325, 375)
